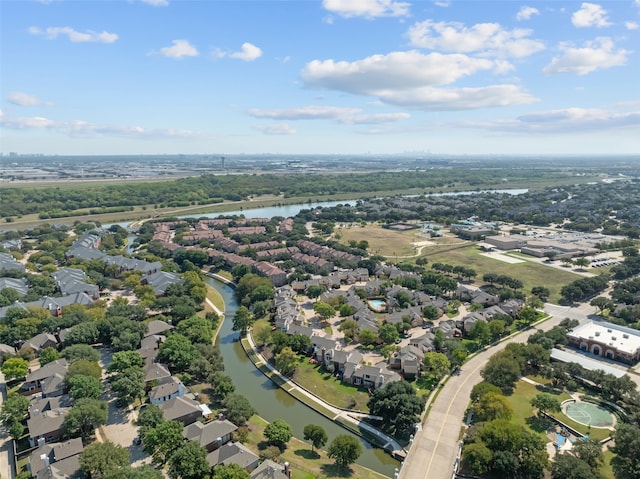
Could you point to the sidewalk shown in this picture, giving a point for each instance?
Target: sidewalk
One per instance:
(336, 413)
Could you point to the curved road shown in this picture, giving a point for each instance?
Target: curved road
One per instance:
(435, 446)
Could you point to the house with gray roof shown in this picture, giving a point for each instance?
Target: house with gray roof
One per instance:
(19, 285)
(156, 327)
(46, 418)
(8, 262)
(6, 350)
(233, 453)
(182, 409)
(167, 390)
(33, 381)
(84, 253)
(58, 460)
(161, 280)
(271, 470)
(40, 342)
(73, 280)
(371, 377)
(324, 349)
(212, 435)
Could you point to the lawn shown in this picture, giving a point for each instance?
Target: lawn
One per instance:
(382, 241)
(530, 273)
(520, 401)
(306, 464)
(328, 387)
(523, 412)
(215, 298)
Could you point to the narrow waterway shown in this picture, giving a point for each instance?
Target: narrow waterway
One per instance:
(273, 403)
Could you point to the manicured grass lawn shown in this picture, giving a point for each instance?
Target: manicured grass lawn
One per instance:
(520, 401)
(306, 464)
(606, 470)
(330, 388)
(530, 273)
(382, 241)
(215, 298)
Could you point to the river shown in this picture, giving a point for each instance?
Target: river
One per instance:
(273, 403)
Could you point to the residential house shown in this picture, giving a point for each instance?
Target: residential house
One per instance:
(46, 417)
(370, 377)
(167, 390)
(324, 349)
(271, 470)
(19, 285)
(408, 360)
(212, 435)
(39, 342)
(8, 262)
(161, 280)
(73, 280)
(33, 381)
(233, 453)
(58, 460)
(157, 327)
(182, 409)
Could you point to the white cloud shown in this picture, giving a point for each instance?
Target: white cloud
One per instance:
(483, 38)
(248, 53)
(563, 121)
(339, 114)
(590, 15)
(440, 99)
(594, 55)
(631, 25)
(525, 13)
(81, 128)
(408, 79)
(156, 3)
(367, 8)
(179, 49)
(442, 4)
(75, 36)
(279, 129)
(23, 99)
(396, 70)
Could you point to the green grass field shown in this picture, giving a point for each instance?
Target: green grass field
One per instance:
(530, 273)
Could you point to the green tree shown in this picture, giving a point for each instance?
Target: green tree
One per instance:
(627, 451)
(14, 410)
(492, 406)
(431, 312)
(286, 361)
(349, 328)
(483, 388)
(230, 471)
(398, 406)
(477, 457)
(189, 461)
(130, 472)
(502, 370)
(316, 435)
(242, 319)
(15, 368)
(81, 386)
(150, 417)
(544, 402)
(590, 451)
(315, 291)
(80, 351)
(84, 417)
(344, 450)
(196, 329)
(323, 310)
(366, 336)
(238, 409)
(278, 433)
(436, 364)
(83, 367)
(103, 458)
(388, 333)
(48, 355)
(566, 466)
(128, 384)
(124, 360)
(178, 352)
(162, 440)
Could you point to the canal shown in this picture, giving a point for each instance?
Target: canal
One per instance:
(273, 403)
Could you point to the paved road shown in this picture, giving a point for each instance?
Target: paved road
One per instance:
(435, 446)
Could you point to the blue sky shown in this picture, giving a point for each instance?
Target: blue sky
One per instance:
(319, 77)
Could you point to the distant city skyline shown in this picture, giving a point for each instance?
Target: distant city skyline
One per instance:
(319, 77)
